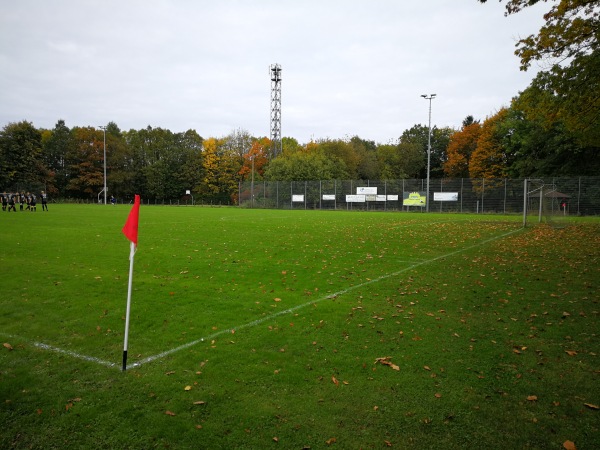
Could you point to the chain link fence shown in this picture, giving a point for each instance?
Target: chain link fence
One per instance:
(572, 196)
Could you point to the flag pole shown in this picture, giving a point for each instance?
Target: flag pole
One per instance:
(125, 344)
(130, 230)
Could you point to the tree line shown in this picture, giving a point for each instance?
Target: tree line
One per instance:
(552, 128)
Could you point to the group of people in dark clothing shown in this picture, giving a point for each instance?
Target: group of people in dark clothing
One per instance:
(26, 201)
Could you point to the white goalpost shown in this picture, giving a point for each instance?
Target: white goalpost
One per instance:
(544, 199)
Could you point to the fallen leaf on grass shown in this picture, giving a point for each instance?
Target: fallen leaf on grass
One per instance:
(199, 402)
(335, 381)
(331, 441)
(386, 362)
(532, 398)
(7, 345)
(569, 445)
(169, 413)
(591, 406)
(438, 395)
(187, 388)
(571, 352)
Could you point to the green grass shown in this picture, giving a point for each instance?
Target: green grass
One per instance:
(262, 329)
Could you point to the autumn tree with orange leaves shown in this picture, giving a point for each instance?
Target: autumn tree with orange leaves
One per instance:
(462, 145)
(489, 159)
(256, 159)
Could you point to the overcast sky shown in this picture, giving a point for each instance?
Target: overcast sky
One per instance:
(350, 67)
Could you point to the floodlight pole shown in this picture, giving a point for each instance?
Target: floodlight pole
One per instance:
(430, 97)
(103, 127)
(252, 184)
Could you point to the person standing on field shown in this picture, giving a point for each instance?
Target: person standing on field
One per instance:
(44, 201)
(33, 202)
(11, 202)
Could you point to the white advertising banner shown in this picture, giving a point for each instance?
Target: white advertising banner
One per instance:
(366, 190)
(355, 198)
(297, 198)
(445, 196)
(392, 197)
(371, 198)
(328, 196)
(380, 198)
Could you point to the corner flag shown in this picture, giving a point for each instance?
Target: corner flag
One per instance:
(130, 230)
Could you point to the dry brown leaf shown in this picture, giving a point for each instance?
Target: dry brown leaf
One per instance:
(275, 439)
(187, 388)
(591, 406)
(170, 413)
(532, 398)
(426, 367)
(7, 345)
(569, 445)
(438, 395)
(335, 381)
(199, 402)
(331, 441)
(386, 362)
(571, 352)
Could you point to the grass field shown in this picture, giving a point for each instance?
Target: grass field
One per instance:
(298, 329)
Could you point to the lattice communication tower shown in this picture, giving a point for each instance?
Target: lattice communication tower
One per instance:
(275, 74)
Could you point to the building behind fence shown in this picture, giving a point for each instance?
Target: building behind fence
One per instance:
(573, 196)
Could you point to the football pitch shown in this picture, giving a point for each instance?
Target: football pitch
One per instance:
(298, 329)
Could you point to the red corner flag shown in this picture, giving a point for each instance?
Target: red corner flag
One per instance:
(130, 229)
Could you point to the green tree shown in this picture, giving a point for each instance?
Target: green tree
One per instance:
(57, 144)
(190, 172)
(568, 44)
(440, 138)
(305, 166)
(403, 160)
(543, 150)
(20, 156)
(366, 152)
(343, 153)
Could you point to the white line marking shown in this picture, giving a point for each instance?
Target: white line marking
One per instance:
(257, 321)
(62, 351)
